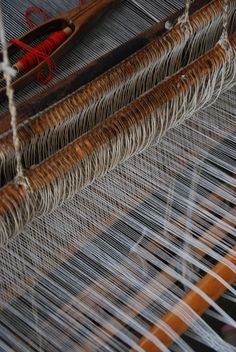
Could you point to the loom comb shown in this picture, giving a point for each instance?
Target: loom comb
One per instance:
(72, 24)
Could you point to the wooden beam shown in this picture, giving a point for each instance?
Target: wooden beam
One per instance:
(88, 73)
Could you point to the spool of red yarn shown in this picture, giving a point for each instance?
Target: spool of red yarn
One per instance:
(35, 55)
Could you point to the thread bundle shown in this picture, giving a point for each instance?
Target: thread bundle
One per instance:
(40, 53)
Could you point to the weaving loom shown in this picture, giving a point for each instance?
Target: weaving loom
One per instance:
(117, 198)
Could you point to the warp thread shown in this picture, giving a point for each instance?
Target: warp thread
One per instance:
(92, 109)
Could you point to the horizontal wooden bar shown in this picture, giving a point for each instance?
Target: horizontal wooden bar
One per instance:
(35, 134)
(97, 144)
(88, 73)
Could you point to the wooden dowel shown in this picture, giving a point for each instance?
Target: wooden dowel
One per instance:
(210, 286)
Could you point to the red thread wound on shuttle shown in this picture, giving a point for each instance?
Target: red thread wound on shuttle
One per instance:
(35, 55)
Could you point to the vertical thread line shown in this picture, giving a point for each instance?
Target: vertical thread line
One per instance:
(225, 19)
(184, 19)
(224, 39)
(8, 74)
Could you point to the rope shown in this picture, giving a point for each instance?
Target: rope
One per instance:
(224, 39)
(184, 19)
(225, 19)
(9, 73)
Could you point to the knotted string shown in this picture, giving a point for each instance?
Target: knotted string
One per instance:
(184, 19)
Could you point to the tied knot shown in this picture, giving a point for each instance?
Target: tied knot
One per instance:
(185, 25)
(22, 181)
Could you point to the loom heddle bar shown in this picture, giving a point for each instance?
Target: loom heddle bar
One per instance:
(108, 136)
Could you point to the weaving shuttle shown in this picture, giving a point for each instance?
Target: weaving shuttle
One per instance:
(71, 24)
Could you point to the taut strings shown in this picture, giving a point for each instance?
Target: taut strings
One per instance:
(114, 242)
(132, 207)
(127, 132)
(94, 102)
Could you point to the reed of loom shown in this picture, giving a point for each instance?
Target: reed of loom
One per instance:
(61, 112)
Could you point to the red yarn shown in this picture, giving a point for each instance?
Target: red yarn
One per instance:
(40, 53)
(31, 10)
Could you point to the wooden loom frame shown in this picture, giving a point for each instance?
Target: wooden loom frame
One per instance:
(56, 115)
(87, 144)
(91, 71)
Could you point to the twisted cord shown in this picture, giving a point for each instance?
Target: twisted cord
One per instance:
(225, 19)
(8, 74)
(224, 39)
(184, 19)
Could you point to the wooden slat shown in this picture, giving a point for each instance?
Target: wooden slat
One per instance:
(88, 73)
(98, 140)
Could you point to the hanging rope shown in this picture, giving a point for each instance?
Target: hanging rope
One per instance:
(225, 19)
(184, 19)
(224, 39)
(9, 73)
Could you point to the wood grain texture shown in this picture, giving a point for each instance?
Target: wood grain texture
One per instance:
(114, 128)
(85, 75)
